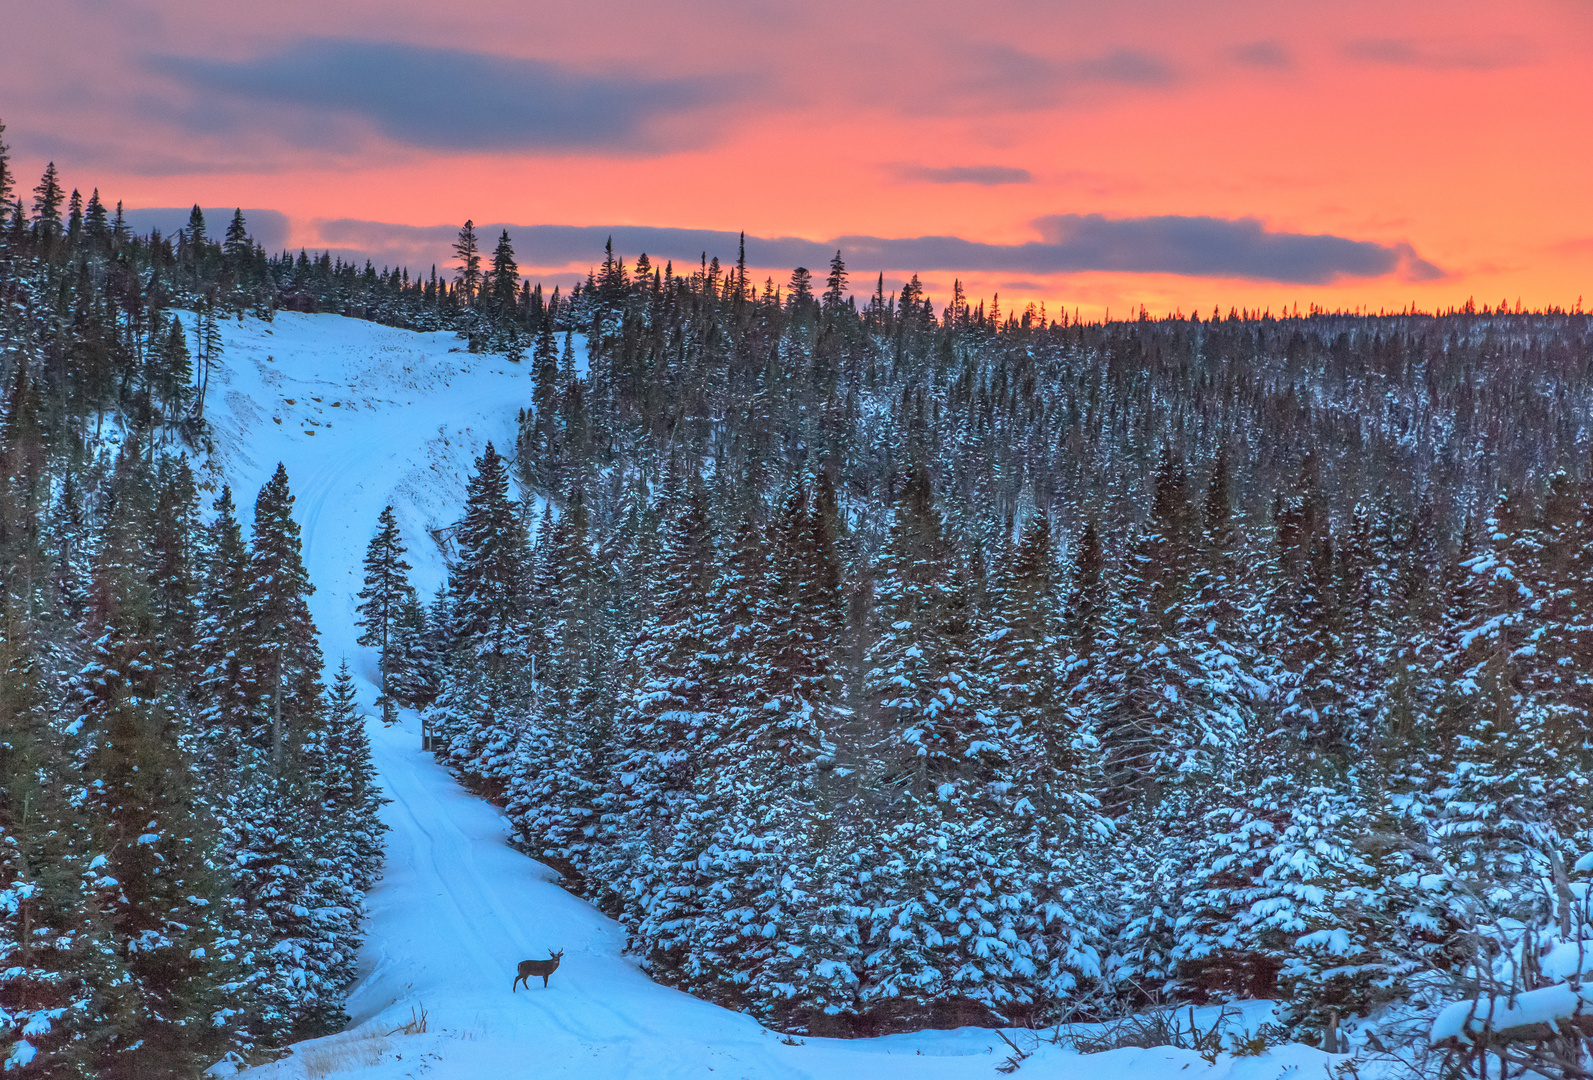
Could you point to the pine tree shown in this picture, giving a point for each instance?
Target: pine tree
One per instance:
(835, 286)
(946, 854)
(799, 290)
(661, 725)
(172, 374)
(1058, 818)
(486, 584)
(563, 765)
(96, 223)
(386, 589)
(162, 911)
(285, 668)
(350, 789)
(7, 179)
(921, 693)
(62, 981)
(539, 448)
(761, 799)
(236, 245)
(412, 683)
(502, 282)
(223, 645)
(1155, 717)
(47, 199)
(739, 860)
(210, 347)
(194, 233)
(468, 251)
(487, 593)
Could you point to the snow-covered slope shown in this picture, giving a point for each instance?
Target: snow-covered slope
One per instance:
(363, 415)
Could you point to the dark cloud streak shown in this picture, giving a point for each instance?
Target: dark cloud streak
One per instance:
(1267, 55)
(1012, 78)
(984, 175)
(445, 99)
(1222, 247)
(1188, 246)
(562, 245)
(1439, 56)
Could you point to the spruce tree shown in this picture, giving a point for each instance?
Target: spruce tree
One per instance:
(47, 199)
(381, 600)
(835, 286)
(96, 222)
(163, 909)
(63, 982)
(468, 251)
(564, 754)
(285, 667)
(1058, 819)
(487, 597)
(223, 646)
(503, 280)
(946, 846)
(350, 788)
(921, 687)
(539, 446)
(662, 714)
(236, 244)
(194, 233)
(7, 179)
(412, 681)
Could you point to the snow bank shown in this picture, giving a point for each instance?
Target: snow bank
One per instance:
(1501, 1018)
(1568, 960)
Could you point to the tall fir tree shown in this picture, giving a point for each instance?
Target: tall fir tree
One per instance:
(285, 667)
(487, 586)
(386, 588)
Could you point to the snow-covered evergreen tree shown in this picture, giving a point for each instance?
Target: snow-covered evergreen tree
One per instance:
(382, 599)
(486, 683)
(1055, 773)
(284, 672)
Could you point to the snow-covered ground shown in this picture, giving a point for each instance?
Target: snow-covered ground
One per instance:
(364, 415)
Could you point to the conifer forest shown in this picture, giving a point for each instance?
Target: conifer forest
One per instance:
(879, 664)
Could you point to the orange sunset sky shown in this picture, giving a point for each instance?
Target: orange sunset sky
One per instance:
(1090, 156)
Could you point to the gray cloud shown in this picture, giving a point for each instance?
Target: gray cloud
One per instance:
(269, 227)
(1018, 79)
(1271, 55)
(1070, 243)
(986, 175)
(1222, 247)
(1440, 55)
(1127, 66)
(447, 99)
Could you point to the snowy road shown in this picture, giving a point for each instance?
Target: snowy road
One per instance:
(362, 416)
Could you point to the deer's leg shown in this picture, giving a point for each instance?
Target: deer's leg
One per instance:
(544, 982)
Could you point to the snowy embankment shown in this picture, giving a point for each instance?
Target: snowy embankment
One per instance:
(363, 416)
(1506, 1017)
(1565, 1008)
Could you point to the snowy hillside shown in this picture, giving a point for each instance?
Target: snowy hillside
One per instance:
(363, 415)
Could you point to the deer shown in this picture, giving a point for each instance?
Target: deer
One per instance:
(543, 968)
